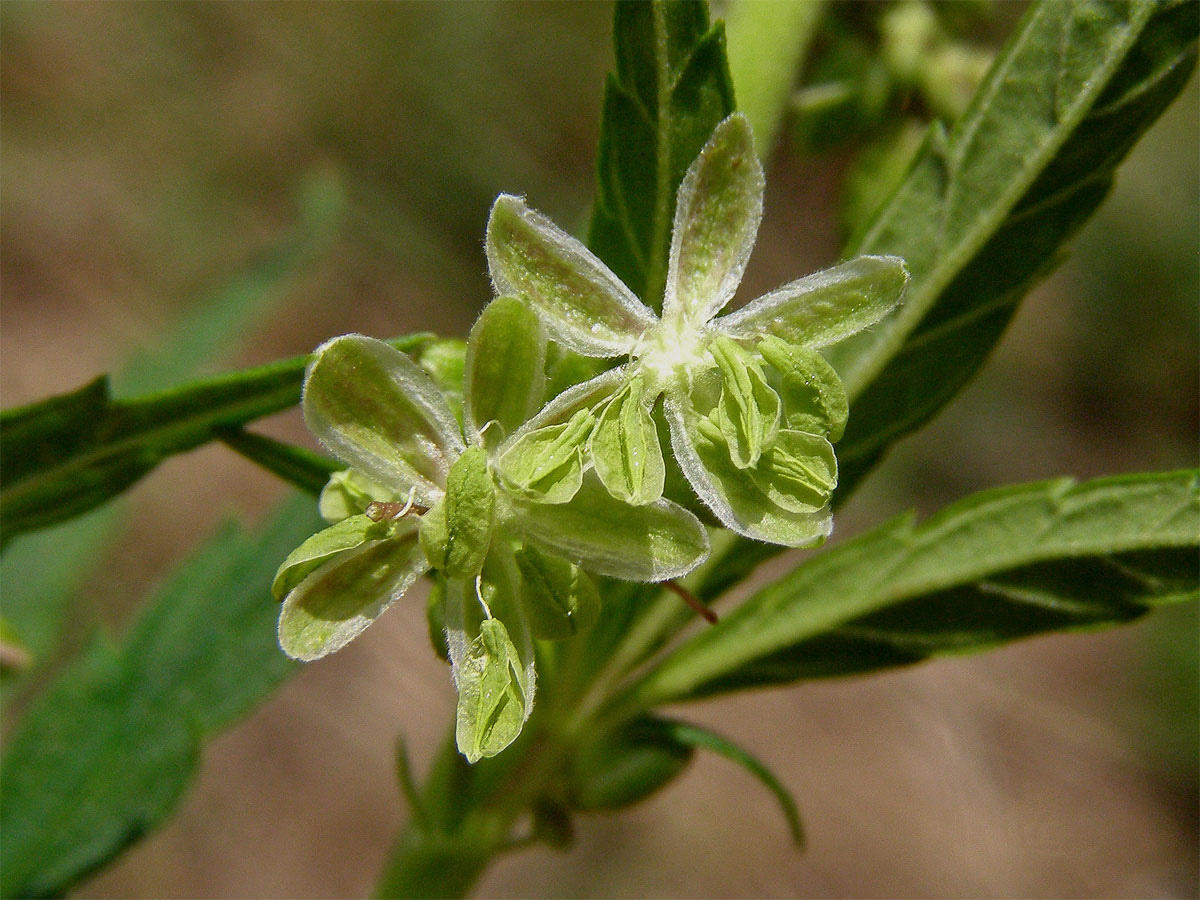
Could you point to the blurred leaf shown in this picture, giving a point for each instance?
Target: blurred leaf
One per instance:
(695, 736)
(298, 466)
(670, 90)
(66, 455)
(627, 765)
(993, 567)
(985, 210)
(105, 753)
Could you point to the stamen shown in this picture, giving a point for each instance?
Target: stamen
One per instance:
(479, 595)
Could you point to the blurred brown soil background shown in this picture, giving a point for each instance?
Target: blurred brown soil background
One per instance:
(151, 152)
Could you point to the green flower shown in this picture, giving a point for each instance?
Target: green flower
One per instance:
(421, 494)
(751, 406)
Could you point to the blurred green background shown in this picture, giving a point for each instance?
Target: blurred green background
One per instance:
(192, 186)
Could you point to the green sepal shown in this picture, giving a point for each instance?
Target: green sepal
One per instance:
(748, 410)
(349, 493)
(470, 508)
(654, 542)
(812, 393)
(445, 359)
(562, 601)
(506, 359)
(328, 543)
(546, 464)
(336, 601)
(624, 447)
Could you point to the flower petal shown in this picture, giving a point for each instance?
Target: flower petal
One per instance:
(506, 357)
(776, 516)
(654, 542)
(717, 211)
(748, 411)
(329, 542)
(378, 411)
(582, 304)
(333, 604)
(826, 306)
(546, 464)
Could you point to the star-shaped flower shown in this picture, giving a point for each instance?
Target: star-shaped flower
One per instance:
(421, 494)
(751, 406)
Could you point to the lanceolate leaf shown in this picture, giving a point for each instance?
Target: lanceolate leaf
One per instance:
(669, 92)
(105, 753)
(986, 209)
(66, 455)
(999, 565)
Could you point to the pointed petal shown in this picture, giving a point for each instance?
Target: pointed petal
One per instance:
(717, 212)
(777, 516)
(824, 307)
(333, 604)
(506, 358)
(654, 542)
(582, 304)
(378, 411)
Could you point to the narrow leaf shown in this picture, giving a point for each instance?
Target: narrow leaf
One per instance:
(117, 734)
(298, 466)
(695, 736)
(1011, 547)
(66, 455)
(670, 90)
(627, 765)
(986, 209)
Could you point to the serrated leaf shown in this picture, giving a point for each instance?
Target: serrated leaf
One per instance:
(506, 359)
(824, 307)
(335, 602)
(985, 210)
(581, 303)
(546, 464)
(624, 447)
(118, 733)
(66, 455)
(562, 601)
(670, 91)
(1025, 554)
(654, 542)
(717, 212)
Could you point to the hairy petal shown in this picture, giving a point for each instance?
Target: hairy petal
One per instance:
(379, 412)
(824, 307)
(717, 212)
(582, 304)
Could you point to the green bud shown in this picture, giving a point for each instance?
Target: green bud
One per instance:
(491, 695)
(470, 509)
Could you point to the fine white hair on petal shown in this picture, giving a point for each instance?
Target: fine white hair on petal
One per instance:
(729, 154)
(615, 318)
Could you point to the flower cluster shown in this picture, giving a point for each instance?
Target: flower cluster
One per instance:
(511, 500)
